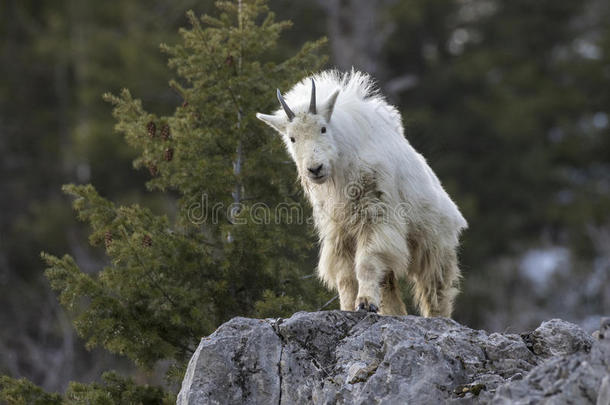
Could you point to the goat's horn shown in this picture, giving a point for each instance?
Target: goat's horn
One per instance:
(287, 109)
(312, 103)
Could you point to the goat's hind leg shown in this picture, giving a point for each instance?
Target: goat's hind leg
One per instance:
(436, 283)
(391, 302)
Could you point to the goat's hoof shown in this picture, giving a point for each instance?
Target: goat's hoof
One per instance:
(364, 306)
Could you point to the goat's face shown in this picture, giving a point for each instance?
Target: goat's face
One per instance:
(308, 136)
(309, 141)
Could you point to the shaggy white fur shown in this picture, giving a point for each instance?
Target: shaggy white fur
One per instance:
(380, 211)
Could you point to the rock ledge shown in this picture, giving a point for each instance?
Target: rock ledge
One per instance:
(356, 358)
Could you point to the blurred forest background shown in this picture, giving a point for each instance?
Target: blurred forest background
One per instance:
(509, 100)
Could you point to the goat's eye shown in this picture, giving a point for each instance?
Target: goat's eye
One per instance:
(292, 139)
(323, 130)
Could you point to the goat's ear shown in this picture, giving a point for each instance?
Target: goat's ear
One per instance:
(275, 122)
(328, 106)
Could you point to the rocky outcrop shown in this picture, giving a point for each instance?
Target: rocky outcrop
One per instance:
(362, 358)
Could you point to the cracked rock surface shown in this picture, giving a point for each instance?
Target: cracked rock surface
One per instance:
(363, 358)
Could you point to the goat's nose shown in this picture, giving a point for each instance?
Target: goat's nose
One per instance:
(315, 171)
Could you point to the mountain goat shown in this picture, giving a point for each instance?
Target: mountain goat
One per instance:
(380, 211)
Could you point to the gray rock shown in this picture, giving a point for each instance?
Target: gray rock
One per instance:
(557, 338)
(362, 358)
(579, 374)
(236, 364)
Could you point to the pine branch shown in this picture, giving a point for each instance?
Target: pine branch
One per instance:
(144, 267)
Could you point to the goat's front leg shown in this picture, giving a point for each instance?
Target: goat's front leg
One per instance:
(376, 252)
(370, 274)
(347, 285)
(336, 269)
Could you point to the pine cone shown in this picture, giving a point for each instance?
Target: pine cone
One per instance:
(147, 241)
(152, 168)
(165, 134)
(168, 154)
(108, 239)
(152, 129)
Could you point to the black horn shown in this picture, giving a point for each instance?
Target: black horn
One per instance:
(312, 103)
(287, 109)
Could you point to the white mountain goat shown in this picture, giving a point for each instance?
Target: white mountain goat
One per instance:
(380, 211)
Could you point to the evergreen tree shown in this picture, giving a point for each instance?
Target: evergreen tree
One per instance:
(56, 58)
(237, 244)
